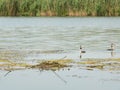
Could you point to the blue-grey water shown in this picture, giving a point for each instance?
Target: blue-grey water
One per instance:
(59, 33)
(43, 38)
(41, 34)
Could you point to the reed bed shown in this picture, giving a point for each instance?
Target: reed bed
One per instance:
(59, 7)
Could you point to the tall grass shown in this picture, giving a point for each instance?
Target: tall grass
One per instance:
(59, 7)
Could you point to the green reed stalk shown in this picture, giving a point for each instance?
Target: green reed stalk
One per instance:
(59, 7)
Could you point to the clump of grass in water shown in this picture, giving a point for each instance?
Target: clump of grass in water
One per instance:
(90, 64)
(102, 64)
(45, 65)
(52, 64)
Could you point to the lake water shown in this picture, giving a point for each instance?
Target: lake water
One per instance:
(60, 34)
(43, 38)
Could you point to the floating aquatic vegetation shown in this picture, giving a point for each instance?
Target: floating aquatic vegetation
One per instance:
(88, 64)
(102, 64)
(12, 65)
(45, 65)
(53, 64)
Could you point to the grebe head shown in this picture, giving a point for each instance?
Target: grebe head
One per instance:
(112, 46)
(80, 47)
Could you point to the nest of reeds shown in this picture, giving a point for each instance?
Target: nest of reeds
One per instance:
(52, 65)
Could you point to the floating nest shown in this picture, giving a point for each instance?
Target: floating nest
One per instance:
(45, 65)
(52, 65)
(89, 64)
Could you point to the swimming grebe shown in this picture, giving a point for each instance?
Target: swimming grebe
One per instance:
(112, 47)
(81, 50)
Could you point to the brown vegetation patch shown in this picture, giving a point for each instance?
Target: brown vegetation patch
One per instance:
(52, 64)
(102, 64)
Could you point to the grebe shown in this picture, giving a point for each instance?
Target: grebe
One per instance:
(112, 47)
(81, 50)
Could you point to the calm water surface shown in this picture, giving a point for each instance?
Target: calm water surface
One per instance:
(59, 33)
(36, 38)
(64, 34)
(44, 34)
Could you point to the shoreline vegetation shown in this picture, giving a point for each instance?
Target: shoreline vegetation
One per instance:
(59, 7)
